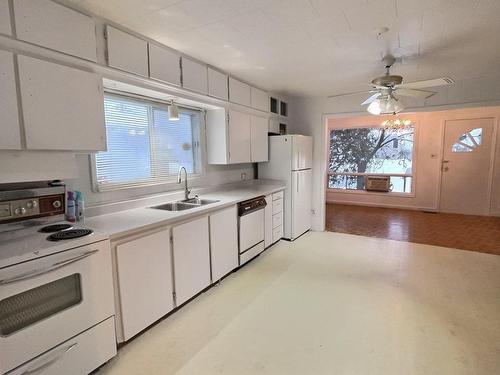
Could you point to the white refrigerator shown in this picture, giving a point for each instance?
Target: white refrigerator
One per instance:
(290, 160)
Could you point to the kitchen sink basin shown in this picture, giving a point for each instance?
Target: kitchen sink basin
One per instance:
(176, 206)
(200, 201)
(185, 204)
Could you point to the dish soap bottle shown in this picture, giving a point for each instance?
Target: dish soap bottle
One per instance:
(79, 206)
(70, 207)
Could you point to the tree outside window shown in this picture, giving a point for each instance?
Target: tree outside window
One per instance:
(358, 152)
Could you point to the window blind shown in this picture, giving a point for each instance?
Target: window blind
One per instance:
(143, 146)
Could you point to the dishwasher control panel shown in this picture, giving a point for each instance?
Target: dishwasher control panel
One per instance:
(251, 205)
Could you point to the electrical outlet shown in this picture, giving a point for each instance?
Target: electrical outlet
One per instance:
(313, 211)
(243, 176)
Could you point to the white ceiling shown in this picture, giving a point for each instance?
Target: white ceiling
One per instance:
(320, 47)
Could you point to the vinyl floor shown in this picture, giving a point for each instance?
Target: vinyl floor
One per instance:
(332, 303)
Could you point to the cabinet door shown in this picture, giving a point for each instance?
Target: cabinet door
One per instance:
(194, 76)
(259, 99)
(55, 26)
(127, 52)
(217, 84)
(239, 92)
(268, 221)
(191, 259)
(63, 107)
(11, 138)
(274, 126)
(239, 137)
(224, 242)
(259, 140)
(144, 272)
(164, 65)
(5, 27)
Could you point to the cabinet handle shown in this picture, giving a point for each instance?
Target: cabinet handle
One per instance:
(52, 267)
(50, 362)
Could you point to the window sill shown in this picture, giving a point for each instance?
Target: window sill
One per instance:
(378, 193)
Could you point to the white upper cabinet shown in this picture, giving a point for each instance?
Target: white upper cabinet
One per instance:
(217, 84)
(127, 52)
(10, 138)
(194, 76)
(259, 99)
(259, 140)
(239, 92)
(239, 137)
(63, 107)
(51, 25)
(164, 65)
(5, 26)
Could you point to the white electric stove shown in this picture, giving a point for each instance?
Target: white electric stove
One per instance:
(56, 291)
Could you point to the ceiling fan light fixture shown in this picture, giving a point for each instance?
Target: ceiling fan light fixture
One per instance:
(374, 107)
(173, 112)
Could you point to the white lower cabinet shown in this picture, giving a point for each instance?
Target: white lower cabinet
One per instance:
(144, 275)
(79, 356)
(273, 218)
(191, 255)
(268, 221)
(224, 242)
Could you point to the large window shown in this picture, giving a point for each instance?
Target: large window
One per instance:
(359, 152)
(144, 146)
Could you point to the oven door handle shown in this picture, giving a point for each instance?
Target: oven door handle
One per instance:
(53, 267)
(50, 362)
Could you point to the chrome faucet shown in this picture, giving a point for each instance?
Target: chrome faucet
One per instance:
(179, 180)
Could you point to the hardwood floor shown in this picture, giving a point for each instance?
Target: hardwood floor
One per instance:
(467, 232)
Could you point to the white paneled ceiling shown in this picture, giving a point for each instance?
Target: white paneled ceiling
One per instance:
(320, 47)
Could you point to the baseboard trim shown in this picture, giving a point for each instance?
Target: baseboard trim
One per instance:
(398, 206)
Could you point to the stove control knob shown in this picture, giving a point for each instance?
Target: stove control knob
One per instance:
(56, 204)
(32, 204)
(20, 211)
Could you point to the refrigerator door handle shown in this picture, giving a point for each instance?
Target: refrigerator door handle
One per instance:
(297, 184)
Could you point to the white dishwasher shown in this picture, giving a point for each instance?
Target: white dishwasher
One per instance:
(251, 228)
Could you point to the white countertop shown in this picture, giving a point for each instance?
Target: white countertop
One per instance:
(122, 223)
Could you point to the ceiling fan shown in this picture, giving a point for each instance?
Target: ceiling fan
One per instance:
(387, 90)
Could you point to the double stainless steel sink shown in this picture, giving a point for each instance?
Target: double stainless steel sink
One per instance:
(186, 204)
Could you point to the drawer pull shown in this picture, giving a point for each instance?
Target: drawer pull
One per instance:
(57, 357)
(41, 271)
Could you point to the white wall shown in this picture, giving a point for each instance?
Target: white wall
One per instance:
(308, 116)
(214, 175)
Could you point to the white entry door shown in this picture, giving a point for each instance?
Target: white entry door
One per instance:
(466, 166)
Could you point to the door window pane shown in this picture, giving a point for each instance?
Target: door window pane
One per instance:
(468, 141)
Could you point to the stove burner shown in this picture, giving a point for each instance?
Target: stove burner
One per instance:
(55, 228)
(69, 234)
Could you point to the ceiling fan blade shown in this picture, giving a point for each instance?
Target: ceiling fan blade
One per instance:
(414, 93)
(371, 98)
(352, 93)
(444, 81)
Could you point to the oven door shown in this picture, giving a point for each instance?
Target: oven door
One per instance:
(46, 301)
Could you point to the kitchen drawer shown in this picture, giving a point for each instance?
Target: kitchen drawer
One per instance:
(80, 355)
(251, 253)
(277, 233)
(277, 206)
(277, 219)
(278, 195)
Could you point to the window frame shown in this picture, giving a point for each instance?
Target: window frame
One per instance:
(363, 125)
(200, 159)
